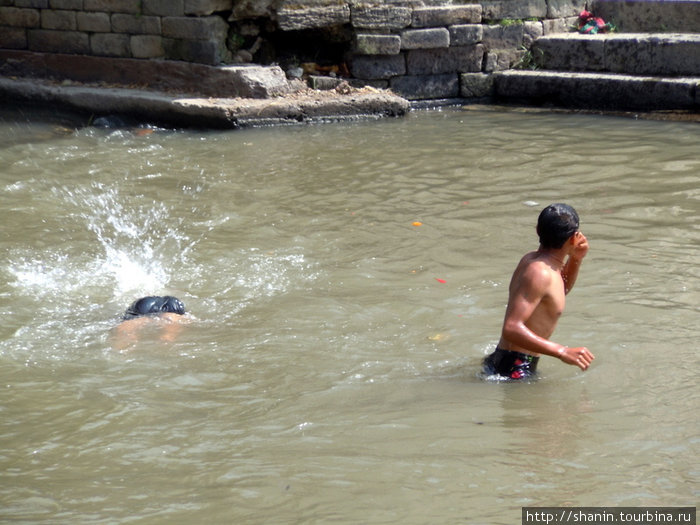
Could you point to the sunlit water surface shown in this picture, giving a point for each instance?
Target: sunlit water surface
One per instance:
(329, 373)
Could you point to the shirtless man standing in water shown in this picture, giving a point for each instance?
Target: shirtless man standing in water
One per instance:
(536, 298)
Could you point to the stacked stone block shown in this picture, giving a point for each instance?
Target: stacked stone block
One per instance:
(433, 52)
(418, 52)
(172, 29)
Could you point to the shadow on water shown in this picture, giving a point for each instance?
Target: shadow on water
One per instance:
(39, 123)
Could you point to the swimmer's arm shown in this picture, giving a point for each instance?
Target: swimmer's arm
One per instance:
(570, 271)
(523, 302)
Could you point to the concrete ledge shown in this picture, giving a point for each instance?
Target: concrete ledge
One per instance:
(654, 54)
(642, 15)
(182, 111)
(596, 90)
(631, 53)
(569, 52)
(249, 81)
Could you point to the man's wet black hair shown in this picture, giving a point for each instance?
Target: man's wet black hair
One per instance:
(154, 305)
(556, 224)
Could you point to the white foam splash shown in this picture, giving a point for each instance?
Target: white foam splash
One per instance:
(130, 275)
(114, 247)
(141, 241)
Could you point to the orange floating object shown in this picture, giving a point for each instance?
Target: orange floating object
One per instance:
(417, 223)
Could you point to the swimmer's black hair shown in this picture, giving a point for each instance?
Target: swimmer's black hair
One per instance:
(154, 305)
(556, 224)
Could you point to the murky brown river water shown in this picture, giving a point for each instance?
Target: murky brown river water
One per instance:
(330, 372)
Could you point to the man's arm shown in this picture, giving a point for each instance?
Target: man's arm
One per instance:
(570, 271)
(524, 299)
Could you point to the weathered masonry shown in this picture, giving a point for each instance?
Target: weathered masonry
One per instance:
(438, 51)
(419, 50)
(172, 29)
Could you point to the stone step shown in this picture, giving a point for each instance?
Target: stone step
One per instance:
(597, 90)
(165, 109)
(247, 80)
(630, 53)
(675, 16)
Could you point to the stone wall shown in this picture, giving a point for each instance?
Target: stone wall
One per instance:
(436, 52)
(420, 49)
(172, 29)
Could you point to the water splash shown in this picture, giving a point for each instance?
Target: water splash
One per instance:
(115, 247)
(141, 240)
(268, 274)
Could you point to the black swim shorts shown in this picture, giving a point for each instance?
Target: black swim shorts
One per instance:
(511, 364)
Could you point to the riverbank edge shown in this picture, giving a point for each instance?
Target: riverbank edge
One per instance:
(85, 103)
(190, 111)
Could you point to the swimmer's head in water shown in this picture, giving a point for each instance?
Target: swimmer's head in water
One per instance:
(556, 224)
(154, 305)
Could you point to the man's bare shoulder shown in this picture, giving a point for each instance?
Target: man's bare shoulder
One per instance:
(170, 317)
(532, 271)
